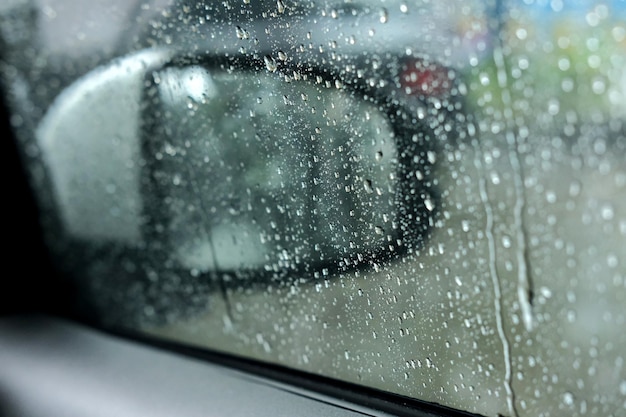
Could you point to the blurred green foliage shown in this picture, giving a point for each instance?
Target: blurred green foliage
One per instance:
(553, 70)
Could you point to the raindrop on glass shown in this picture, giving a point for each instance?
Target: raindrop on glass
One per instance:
(281, 6)
(270, 63)
(242, 33)
(384, 15)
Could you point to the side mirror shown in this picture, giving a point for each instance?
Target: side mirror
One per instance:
(271, 175)
(174, 178)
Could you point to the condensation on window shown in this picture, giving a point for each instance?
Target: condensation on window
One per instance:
(427, 198)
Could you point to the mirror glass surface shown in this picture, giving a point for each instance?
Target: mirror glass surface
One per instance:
(247, 171)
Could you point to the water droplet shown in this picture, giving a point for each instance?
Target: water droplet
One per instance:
(430, 206)
(379, 155)
(384, 15)
(607, 212)
(404, 8)
(571, 316)
(281, 6)
(545, 292)
(270, 63)
(379, 230)
(367, 184)
(242, 33)
(574, 188)
(282, 56)
(568, 398)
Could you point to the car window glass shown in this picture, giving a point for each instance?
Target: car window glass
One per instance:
(422, 197)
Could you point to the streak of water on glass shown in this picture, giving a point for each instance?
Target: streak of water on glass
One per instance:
(524, 280)
(209, 238)
(497, 293)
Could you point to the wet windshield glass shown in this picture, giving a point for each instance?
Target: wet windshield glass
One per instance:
(427, 198)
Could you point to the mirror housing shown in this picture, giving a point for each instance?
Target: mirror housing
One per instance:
(110, 151)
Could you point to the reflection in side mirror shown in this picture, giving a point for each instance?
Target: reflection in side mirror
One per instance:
(247, 172)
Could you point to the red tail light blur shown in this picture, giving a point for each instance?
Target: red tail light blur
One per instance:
(422, 78)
